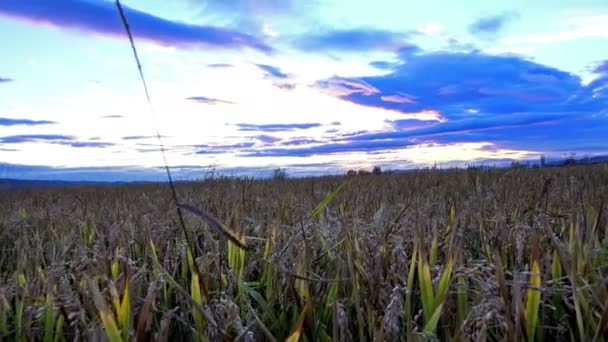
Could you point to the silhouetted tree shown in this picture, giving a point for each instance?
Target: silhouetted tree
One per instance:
(279, 173)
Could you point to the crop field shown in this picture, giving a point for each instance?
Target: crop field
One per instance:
(458, 255)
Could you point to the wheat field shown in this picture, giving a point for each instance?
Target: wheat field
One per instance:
(457, 255)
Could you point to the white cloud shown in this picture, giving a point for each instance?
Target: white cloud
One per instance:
(429, 28)
(575, 28)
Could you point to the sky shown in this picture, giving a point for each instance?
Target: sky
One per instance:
(241, 87)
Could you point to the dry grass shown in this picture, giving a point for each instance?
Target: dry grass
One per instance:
(517, 254)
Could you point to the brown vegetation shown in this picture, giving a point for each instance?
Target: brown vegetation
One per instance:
(457, 255)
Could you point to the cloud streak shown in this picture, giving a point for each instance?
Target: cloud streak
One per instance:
(329, 148)
(57, 139)
(24, 122)
(491, 25)
(207, 100)
(6, 80)
(272, 71)
(100, 17)
(24, 138)
(352, 40)
(246, 127)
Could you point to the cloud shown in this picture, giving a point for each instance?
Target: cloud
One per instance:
(220, 65)
(255, 16)
(58, 139)
(273, 71)
(221, 148)
(25, 122)
(344, 86)
(17, 139)
(245, 127)
(95, 144)
(430, 28)
(494, 85)
(483, 98)
(601, 68)
(260, 7)
(383, 65)
(352, 40)
(142, 137)
(328, 148)
(267, 139)
(491, 25)
(207, 100)
(397, 99)
(300, 141)
(6, 80)
(113, 116)
(100, 17)
(574, 28)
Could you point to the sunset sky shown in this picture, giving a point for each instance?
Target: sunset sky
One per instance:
(317, 86)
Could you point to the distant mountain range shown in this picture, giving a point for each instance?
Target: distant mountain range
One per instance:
(10, 183)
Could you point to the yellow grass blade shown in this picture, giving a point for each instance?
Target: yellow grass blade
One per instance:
(195, 292)
(444, 282)
(107, 317)
(330, 196)
(216, 224)
(533, 301)
(432, 321)
(124, 312)
(114, 269)
(410, 286)
(299, 327)
(426, 287)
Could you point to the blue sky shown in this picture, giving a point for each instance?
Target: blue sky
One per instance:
(315, 86)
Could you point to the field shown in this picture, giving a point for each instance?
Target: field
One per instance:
(484, 255)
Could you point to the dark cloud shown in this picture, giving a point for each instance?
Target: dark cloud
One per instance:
(100, 17)
(245, 127)
(267, 139)
(220, 65)
(383, 65)
(491, 25)
(57, 139)
(113, 116)
(25, 122)
(453, 83)
(207, 100)
(94, 144)
(6, 80)
(354, 40)
(329, 148)
(426, 128)
(506, 100)
(601, 68)
(300, 141)
(273, 71)
(142, 137)
(222, 148)
(17, 139)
